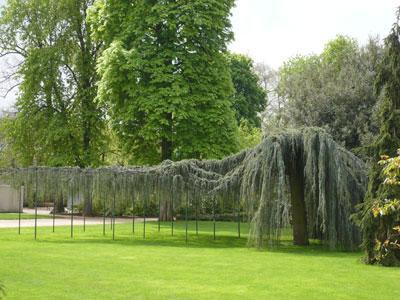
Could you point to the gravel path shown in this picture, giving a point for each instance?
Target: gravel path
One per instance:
(62, 220)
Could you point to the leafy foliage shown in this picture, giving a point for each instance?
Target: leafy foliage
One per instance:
(8, 157)
(333, 90)
(249, 136)
(58, 122)
(378, 229)
(386, 213)
(272, 116)
(249, 98)
(164, 77)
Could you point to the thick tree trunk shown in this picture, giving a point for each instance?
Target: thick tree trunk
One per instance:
(166, 149)
(166, 142)
(59, 206)
(87, 207)
(299, 217)
(165, 211)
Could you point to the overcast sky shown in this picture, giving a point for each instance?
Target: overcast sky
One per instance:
(272, 31)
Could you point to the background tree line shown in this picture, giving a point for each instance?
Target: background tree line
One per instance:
(333, 90)
(105, 82)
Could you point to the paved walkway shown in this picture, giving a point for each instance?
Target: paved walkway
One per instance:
(63, 220)
(40, 211)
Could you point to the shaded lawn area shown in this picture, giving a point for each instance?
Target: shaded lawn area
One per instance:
(14, 216)
(91, 266)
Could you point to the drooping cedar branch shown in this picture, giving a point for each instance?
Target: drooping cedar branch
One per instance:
(298, 178)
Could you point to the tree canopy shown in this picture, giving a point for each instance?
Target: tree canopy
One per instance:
(249, 98)
(378, 229)
(164, 77)
(333, 90)
(58, 122)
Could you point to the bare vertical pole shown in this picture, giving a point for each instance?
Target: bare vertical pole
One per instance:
(104, 215)
(186, 214)
(54, 205)
(172, 216)
(238, 216)
(111, 217)
(84, 200)
(172, 199)
(197, 213)
(72, 210)
(35, 200)
(159, 212)
(84, 217)
(133, 214)
(214, 216)
(21, 204)
(144, 216)
(113, 209)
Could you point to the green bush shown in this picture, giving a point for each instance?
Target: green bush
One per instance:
(383, 216)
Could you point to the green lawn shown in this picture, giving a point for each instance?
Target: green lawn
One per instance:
(91, 266)
(14, 216)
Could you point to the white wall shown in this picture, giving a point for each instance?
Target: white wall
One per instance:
(9, 199)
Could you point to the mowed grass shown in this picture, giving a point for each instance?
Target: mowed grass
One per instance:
(15, 216)
(93, 266)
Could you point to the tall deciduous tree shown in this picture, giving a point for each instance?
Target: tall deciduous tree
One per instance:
(249, 98)
(58, 122)
(333, 90)
(164, 77)
(272, 116)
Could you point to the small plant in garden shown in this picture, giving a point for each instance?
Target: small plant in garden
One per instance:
(387, 213)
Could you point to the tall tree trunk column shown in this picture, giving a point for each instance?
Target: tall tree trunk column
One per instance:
(166, 154)
(166, 141)
(167, 149)
(299, 217)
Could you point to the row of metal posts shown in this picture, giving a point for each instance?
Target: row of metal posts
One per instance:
(112, 221)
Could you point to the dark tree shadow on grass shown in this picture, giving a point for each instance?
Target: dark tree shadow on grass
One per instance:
(226, 237)
(2, 291)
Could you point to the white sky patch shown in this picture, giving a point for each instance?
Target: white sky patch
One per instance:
(272, 31)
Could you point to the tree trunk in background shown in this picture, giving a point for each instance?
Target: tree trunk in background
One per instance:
(87, 208)
(59, 206)
(166, 142)
(166, 149)
(165, 211)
